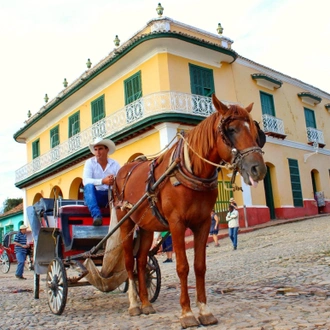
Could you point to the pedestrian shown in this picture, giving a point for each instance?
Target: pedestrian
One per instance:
(99, 175)
(21, 250)
(167, 244)
(233, 224)
(214, 227)
(233, 202)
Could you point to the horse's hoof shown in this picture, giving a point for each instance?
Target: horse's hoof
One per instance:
(188, 321)
(134, 311)
(207, 319)
(148, 310)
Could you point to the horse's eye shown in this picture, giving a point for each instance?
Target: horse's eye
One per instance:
(231, 130)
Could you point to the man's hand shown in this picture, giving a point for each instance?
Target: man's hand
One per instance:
(109, 180)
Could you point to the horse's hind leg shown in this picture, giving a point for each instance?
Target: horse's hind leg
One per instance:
(126, 232)
(200, 237)
(141, 259)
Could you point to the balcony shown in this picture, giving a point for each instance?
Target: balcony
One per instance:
(121, 120)
(315, 137)
(273, 126)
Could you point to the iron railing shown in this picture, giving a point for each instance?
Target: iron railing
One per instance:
(147, 106)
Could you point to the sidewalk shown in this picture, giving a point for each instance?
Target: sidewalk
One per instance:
(224, 232)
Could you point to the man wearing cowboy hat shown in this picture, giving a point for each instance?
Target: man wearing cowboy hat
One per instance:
(99, 175)
(21, 250)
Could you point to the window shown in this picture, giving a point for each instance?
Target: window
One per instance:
(54, 137)
(35, 149)
(310, 118)
(295, 183)
(9, 228)
(267, 104)
(98, 111)
(201, 80)
(54, 143)
(133, 88)
(74, 129)
(74, 124)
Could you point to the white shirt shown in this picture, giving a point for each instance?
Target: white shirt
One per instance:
(94, 173)
(232, 219)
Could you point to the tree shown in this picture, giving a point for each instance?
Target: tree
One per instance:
(10, 203)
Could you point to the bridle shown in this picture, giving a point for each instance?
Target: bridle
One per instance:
(238, 155)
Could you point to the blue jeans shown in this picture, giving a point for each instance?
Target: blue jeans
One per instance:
(94, 199)
(233, 232)
(20, 256)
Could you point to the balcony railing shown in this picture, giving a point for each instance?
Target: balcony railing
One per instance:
(273, 126)
(315, 135)
(147, 106)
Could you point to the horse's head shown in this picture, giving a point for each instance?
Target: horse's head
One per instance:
(243, 139)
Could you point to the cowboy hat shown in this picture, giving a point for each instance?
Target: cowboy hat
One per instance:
(23, 227)
(103, 142)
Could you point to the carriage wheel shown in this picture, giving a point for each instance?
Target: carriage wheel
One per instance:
(36, 285)
(56, 286)
(4, 262)
(153, 278)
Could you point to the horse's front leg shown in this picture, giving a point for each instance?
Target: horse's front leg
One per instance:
(126, 232)
(200, 238)
(146, 239)
(187, 318)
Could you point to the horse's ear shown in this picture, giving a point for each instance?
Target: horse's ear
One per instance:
(249, 107)
(222, 108)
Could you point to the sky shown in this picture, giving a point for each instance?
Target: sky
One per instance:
(44, 41)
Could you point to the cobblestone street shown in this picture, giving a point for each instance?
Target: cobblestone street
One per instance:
(277, 279)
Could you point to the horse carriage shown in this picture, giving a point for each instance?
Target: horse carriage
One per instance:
(172, 192)
(7, 252)
(70, 251)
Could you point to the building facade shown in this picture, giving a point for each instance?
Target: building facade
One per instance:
(160, 82)
(11, 221)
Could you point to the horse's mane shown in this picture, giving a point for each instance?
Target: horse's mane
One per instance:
(202, 138)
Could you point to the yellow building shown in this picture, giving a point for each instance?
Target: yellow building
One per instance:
(160, 82)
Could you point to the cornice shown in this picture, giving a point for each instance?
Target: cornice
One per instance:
(280, 76)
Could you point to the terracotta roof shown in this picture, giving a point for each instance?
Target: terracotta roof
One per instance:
(16, 209)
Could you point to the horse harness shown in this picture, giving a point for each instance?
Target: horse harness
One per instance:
(180, 174)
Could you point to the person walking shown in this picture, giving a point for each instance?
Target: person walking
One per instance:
(214, 227)
(167, 244)
(99, 174)
(233, 224)
(21, 250)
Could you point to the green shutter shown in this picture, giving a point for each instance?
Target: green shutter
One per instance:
(35, 149)
(74, 124)
(133, 88)
(201, 80)
(295, 183)
(310, 118)
(54, 137)
(98, 109)
(267, 104)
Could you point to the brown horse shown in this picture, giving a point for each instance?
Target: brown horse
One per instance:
(180, 190)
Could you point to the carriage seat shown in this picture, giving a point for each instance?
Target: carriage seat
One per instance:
(76, 225)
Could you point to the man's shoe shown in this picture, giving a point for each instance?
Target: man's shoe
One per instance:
(97, 221)
(167, 260)
(20, 277)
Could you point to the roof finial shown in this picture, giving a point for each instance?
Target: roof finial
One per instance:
(116, 41)
(220, 29)
(160, 10)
